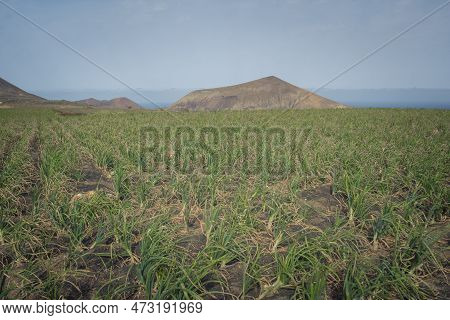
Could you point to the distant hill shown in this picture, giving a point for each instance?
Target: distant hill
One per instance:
(9, 92)
(14, 97)
(265, 93)
(117, 103)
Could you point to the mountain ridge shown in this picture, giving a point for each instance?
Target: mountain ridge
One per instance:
(265, 93)
(119, 103)
(9, 92)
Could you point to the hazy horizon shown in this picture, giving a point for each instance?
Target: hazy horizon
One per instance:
(399, 97)
(159, 45)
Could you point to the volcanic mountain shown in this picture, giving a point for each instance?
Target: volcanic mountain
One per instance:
(9, 92)
(117, 103)
(265, 93)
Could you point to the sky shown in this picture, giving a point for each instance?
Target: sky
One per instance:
(158, 44)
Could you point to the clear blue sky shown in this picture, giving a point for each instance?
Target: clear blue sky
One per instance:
(206, 43)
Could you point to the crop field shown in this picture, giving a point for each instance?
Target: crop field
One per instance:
(305, 204)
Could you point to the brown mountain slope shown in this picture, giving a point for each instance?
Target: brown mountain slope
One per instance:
(9, 92)
(265, 93)
(117, 103)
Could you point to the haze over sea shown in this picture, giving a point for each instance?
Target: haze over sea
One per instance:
(364, 98)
